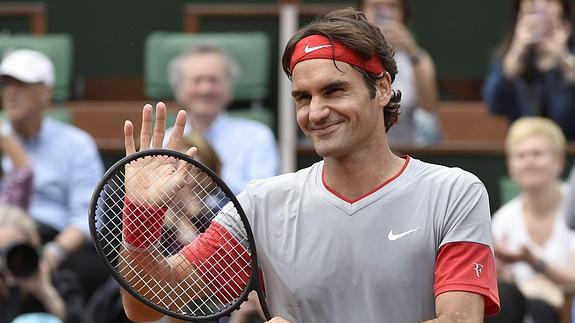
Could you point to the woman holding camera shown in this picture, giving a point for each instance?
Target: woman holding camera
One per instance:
(26, 286)
(533, 73)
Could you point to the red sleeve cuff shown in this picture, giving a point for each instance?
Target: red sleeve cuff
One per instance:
(468, 267)
(222, 262)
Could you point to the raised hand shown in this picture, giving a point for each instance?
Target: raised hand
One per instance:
(150, 180)
(40, 285)
(555, 46)
(399, 36)
(529, 30)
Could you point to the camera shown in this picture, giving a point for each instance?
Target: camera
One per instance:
(22, 260)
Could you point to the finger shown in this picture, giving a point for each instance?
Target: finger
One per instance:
(175, 141)
(129, 138)
(160, 126)
(192, 152)
(184, 169)
(146, 131)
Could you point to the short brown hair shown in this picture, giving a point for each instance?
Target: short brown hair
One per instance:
(351, 28)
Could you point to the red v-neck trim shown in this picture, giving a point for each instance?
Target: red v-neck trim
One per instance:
(407, 158)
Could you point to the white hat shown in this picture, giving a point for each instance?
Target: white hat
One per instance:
(28, 66)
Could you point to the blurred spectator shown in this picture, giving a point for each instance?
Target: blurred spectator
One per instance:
(533, 73)
(570, 208)
(202, 78)
(26, 285)
(416, 78)
(533, 246)
(186, 229)
(17, 184)
(66, 164)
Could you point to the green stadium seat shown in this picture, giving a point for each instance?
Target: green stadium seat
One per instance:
(59, 47)
(250, 49)
(508, 189)
(262, 115)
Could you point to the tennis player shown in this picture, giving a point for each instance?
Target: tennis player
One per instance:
(363, 235)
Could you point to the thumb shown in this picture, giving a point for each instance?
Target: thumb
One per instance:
(192, 152)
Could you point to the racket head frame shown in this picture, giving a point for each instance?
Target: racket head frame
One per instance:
(254, 282)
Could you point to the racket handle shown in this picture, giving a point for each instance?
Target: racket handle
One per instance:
(142, 224)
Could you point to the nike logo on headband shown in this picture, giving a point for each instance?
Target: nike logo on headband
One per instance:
(308, 49)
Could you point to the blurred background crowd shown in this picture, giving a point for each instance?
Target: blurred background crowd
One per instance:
(488, 86)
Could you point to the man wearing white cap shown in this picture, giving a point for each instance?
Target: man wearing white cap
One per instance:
(65, 159)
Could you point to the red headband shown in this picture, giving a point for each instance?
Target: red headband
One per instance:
(318, 46)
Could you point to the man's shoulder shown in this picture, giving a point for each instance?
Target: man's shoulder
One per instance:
(443, 174)
(68, 132)
(58, 126)
(285, 181)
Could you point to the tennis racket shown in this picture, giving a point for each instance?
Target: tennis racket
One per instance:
(174, 236)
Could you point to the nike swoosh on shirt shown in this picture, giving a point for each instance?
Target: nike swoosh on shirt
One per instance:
(308, 49)
(391, 236)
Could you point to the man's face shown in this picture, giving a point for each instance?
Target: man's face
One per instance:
(533, 163)
(334, 109)
(22, 101)
(205, 88)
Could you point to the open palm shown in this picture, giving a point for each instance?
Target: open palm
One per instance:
(155, 180)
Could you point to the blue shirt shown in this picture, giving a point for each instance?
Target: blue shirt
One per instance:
(67, 166)
(246, 148)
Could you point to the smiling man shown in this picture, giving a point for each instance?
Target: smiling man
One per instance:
(363, 235)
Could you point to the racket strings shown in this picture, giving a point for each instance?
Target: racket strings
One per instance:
(189, 208)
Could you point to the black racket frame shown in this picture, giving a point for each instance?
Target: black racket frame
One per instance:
(254, 280)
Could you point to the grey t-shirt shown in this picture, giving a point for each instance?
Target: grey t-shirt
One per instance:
(325, 259)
